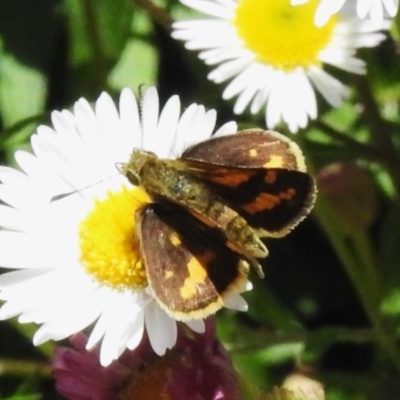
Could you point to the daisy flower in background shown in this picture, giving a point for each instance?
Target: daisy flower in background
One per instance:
(274, 54)
(77, 256)
(375, 9)
(197, 368)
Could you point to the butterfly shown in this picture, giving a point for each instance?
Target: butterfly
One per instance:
(201, 232)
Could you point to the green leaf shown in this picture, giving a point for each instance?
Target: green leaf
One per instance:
(97, 29)
(27, 37)
(389, 239)
(287, 394)
(391, 303)
(138, 63)
(389, 259)
(24, 397)
(98, 33)
(260, 367)
(264, 307)
(318, 342)
(23, 92)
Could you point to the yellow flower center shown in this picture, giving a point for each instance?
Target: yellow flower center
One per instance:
(282, 35)
(109, 246)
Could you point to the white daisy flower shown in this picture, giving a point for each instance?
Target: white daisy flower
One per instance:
(77, 256)
(377, 10)
(274, 54)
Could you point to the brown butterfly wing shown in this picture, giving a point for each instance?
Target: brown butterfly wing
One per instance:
(189, 268)
(260, 174)
(249, 148)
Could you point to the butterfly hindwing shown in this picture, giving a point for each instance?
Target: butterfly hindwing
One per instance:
(272, 201)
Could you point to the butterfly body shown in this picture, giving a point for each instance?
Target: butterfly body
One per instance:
(172, 181)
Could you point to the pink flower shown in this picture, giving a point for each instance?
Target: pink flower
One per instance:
(197, 368)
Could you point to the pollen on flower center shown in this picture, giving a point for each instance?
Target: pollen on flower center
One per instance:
(109, 246)
(280, 34)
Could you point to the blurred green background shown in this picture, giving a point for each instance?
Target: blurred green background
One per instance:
(329, 306)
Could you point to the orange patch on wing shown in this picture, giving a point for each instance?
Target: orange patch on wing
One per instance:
(267, 201)
(288, 194)
(270, 177)
(231, 179)
(264, 201)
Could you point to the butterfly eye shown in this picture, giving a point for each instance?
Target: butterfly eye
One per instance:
(129, 172)
(132, 177)
(132, 169)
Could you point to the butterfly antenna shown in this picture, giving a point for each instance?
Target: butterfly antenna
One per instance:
(141, 96)
(66, 194)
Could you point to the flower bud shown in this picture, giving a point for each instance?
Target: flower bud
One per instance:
(349, 191)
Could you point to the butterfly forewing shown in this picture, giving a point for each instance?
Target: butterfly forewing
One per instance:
(249, 148)
(260, 174)
(189, 268)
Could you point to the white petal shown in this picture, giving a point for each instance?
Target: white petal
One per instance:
(108, 118)
(245, 97)
(218, 55)
(326, 9)
(150, 108)
(185, 123)
(13, 278)
(227, 129)
(162, 330)
(253, 81)
(13, 219)
(210, 8)
(131, 131)
(29, 257)
(202, 128)
(39, 234)
(229, 69)
(196, 325)
(135, 330)
(249, 76)
(391, 7)
(236, 303)
(332, 89)
(364, 6)
(167, 127)
(71, 319)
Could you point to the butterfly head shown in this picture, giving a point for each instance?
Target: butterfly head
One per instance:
(132, 168)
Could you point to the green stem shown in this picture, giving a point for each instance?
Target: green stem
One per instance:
(395, 31)
(338, 334)
(24, 368)
(248, 390)
(92, 30)
(361, 149)
(27, 331)
(354, 267)
(157, 13)
(12, 134)
(381, 132)
(369, 274)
